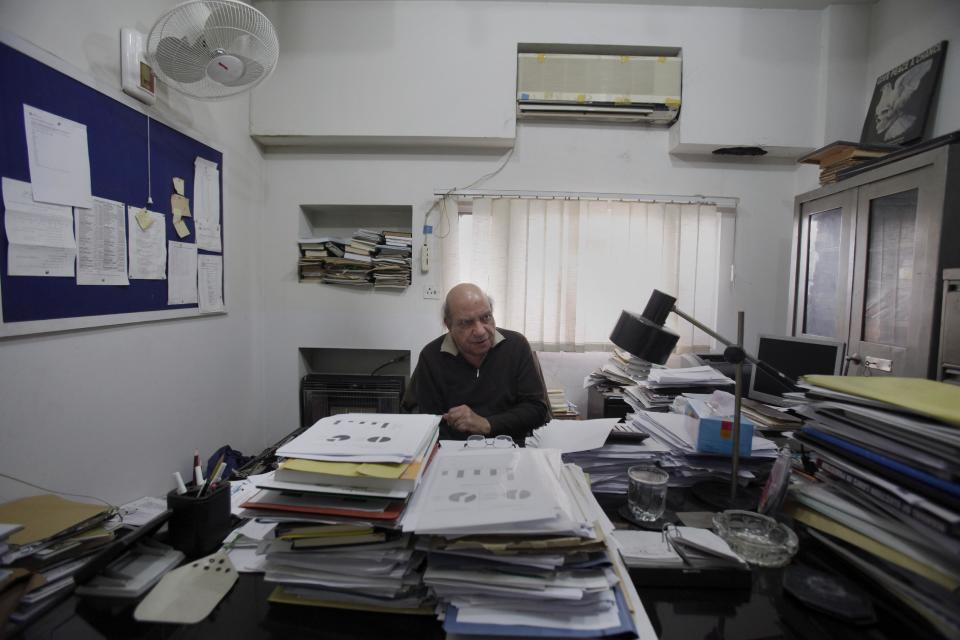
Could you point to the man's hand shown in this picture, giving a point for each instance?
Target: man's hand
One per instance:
(464, 420)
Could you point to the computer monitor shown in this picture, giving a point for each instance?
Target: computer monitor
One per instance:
(795, 357)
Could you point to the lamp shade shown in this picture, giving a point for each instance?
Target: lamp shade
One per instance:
(643, 338)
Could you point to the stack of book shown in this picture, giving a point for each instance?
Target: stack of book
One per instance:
(838, 157)
(337, 496)
(886, 499)
(367, 258)
(50, 540)
(391, 264)
(518, 547)
(560, 407)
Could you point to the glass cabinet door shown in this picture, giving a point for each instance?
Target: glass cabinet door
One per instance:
(825, 259)
(889, 306)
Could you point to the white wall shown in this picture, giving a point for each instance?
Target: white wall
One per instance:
(112, 412)
(448, 69)
(547, 157)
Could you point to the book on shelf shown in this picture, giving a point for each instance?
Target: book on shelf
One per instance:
(842, 155)
(334, 248)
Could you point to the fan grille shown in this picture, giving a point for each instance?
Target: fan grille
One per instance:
(212, 49)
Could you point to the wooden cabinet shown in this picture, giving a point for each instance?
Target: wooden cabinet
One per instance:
(868, 258)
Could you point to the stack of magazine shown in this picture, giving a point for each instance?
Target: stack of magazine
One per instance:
(886, 498)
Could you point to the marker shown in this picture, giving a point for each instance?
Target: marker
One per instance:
(181, 488)
(198, 478)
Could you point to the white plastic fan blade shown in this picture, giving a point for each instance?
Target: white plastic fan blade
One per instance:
(180, 61)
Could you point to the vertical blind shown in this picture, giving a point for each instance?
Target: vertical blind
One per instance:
(561, 271)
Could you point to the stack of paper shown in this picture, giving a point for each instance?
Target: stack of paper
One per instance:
(52, 538)
(662, 386)
(337, 497)
(623, 368)
(518, 548)
(671, 445)
(381, 575)
(888, 500)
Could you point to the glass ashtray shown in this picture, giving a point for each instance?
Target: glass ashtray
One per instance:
(758, 539)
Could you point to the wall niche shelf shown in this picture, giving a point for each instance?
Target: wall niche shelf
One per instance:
(332, 250)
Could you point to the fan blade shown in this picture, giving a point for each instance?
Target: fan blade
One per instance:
(222, 26)
(252, 70)
(180, 61)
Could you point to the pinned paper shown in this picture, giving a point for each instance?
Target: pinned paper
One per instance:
(143, 219)
(181, 228)
(178, 185)
(180, 206)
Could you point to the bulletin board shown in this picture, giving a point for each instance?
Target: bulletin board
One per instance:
(123, 168)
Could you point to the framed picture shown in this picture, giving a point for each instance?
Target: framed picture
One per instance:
(902, 99)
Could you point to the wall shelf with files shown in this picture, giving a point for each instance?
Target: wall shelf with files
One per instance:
(356, 246)
(868, 256)
(336, 380)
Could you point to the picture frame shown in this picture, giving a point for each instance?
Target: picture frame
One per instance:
(902, 99)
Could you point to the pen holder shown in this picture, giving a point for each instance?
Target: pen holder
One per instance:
(199, 524)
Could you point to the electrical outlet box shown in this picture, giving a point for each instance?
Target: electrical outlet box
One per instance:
(430, 291)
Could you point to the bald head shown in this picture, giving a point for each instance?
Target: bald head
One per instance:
(468, 315)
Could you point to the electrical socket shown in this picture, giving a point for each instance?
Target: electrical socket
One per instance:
(431, 292)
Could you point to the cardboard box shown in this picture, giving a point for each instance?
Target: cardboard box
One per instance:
(714, 434)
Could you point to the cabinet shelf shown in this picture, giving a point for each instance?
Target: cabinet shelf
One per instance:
(332, 251)
(868, 255)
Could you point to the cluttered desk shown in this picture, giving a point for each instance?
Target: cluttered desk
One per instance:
(585, 558)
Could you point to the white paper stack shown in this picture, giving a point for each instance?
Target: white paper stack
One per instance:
(671, 445)
(519, 549)
(363, 437)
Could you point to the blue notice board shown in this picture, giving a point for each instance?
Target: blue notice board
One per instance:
(117, 138)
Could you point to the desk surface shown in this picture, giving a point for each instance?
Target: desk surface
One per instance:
(763, 611)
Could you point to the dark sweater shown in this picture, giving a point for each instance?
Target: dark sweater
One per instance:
(507, 389)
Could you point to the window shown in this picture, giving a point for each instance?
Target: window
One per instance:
(561, 270)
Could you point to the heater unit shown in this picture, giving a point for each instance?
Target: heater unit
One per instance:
(327, 394)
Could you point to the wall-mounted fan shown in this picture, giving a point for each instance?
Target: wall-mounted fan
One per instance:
(209, 49)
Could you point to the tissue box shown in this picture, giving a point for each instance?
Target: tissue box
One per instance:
(714, 434)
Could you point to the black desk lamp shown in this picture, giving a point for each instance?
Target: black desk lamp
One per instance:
(645, 337)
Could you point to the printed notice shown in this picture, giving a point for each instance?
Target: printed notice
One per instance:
(210, 282)
(102, 244)
(58, 157)
(181, 273)
(206, 204)
(40, 235)
(148, 244)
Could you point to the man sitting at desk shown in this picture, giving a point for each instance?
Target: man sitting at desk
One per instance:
(483, 380)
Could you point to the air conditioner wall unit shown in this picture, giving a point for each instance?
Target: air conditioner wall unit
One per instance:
(599, 87)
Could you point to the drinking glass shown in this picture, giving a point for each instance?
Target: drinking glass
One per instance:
(647, 492)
